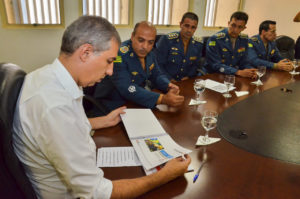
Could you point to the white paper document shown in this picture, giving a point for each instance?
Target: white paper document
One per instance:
(150, 141)
(241, 93)
(212, 140)
(216, 86)
(117, 157)
(195, 102)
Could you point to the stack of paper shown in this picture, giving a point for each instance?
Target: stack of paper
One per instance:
(216, 86)
(151, 143)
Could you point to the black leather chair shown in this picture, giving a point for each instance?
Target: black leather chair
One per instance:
(286, 46)
(13, 180)
(297, 48)
(92, 100)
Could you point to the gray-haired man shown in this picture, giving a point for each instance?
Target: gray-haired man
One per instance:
(51, 132)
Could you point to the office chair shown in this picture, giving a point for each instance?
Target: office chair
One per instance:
(286, 46)
(94, 96)
(13, 180)
(297, 48)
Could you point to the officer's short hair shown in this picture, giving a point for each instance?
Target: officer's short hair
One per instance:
(143, 22)
(93, 30)
(265, 25)
(189, 15)
(240, 16)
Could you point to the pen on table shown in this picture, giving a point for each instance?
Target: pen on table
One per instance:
(197, 174)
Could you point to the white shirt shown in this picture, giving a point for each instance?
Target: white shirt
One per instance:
(52, 137)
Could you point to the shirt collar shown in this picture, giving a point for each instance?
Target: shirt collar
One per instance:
(67, 81)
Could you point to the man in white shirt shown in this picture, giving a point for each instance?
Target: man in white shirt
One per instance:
(51, 132)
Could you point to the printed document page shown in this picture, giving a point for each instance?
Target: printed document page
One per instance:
(117, 157)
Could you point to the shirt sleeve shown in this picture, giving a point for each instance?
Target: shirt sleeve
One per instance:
(65, 140)
(214, 60)
(161, 81)
(276, 57)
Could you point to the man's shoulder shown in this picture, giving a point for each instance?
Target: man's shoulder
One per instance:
(172, 35)
(124, 48)
(197, 39)
(243, 36)
(254, 39)
(219, 35)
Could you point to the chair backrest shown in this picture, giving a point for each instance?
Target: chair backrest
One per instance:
(13, 180)
(286, 46)
(297, 48)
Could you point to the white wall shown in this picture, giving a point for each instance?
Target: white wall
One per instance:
(32, 49)
(281, 11)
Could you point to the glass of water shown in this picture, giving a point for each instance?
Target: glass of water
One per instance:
(209, 122)
(199, 87)
(261, 70)
(229, 81)
(295, 65)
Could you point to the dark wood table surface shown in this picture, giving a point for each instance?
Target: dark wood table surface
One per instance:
(229, 171)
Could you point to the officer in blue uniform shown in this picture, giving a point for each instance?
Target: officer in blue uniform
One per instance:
(226, 51)
(136, 71)
(179, 53)
(263, 50)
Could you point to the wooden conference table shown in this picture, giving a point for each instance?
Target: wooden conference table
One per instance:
(229, 172)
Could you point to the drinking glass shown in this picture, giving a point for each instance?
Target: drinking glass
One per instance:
(229, 82)
(261, 70)
(295, 65)
(199, 87)
(209, 122)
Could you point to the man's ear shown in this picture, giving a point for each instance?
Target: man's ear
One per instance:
(85, 51)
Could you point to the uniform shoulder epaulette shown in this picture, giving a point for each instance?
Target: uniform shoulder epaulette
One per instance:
(198, 39)
(255, 39)
(220, 35)
(124, 49)
(244, 36)
(173, 35)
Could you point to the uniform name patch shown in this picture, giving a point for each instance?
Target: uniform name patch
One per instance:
(212, 43)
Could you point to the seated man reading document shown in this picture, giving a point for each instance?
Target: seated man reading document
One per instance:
(51, 131)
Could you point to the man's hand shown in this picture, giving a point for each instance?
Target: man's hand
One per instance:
(174, 87)
(112, 119)
(172, 98)
(285, 65)
(177, 167)
(251, 73)
(184, 78)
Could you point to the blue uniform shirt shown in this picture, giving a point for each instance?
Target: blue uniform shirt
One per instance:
(130, 78)
(172, 60)
(220, 57)
(259, 56)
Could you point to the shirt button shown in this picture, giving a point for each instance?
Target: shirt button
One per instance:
(184, 61)
(132, 80)
(173, 60)
(177, 76)
(232, 57)
(181, 69)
